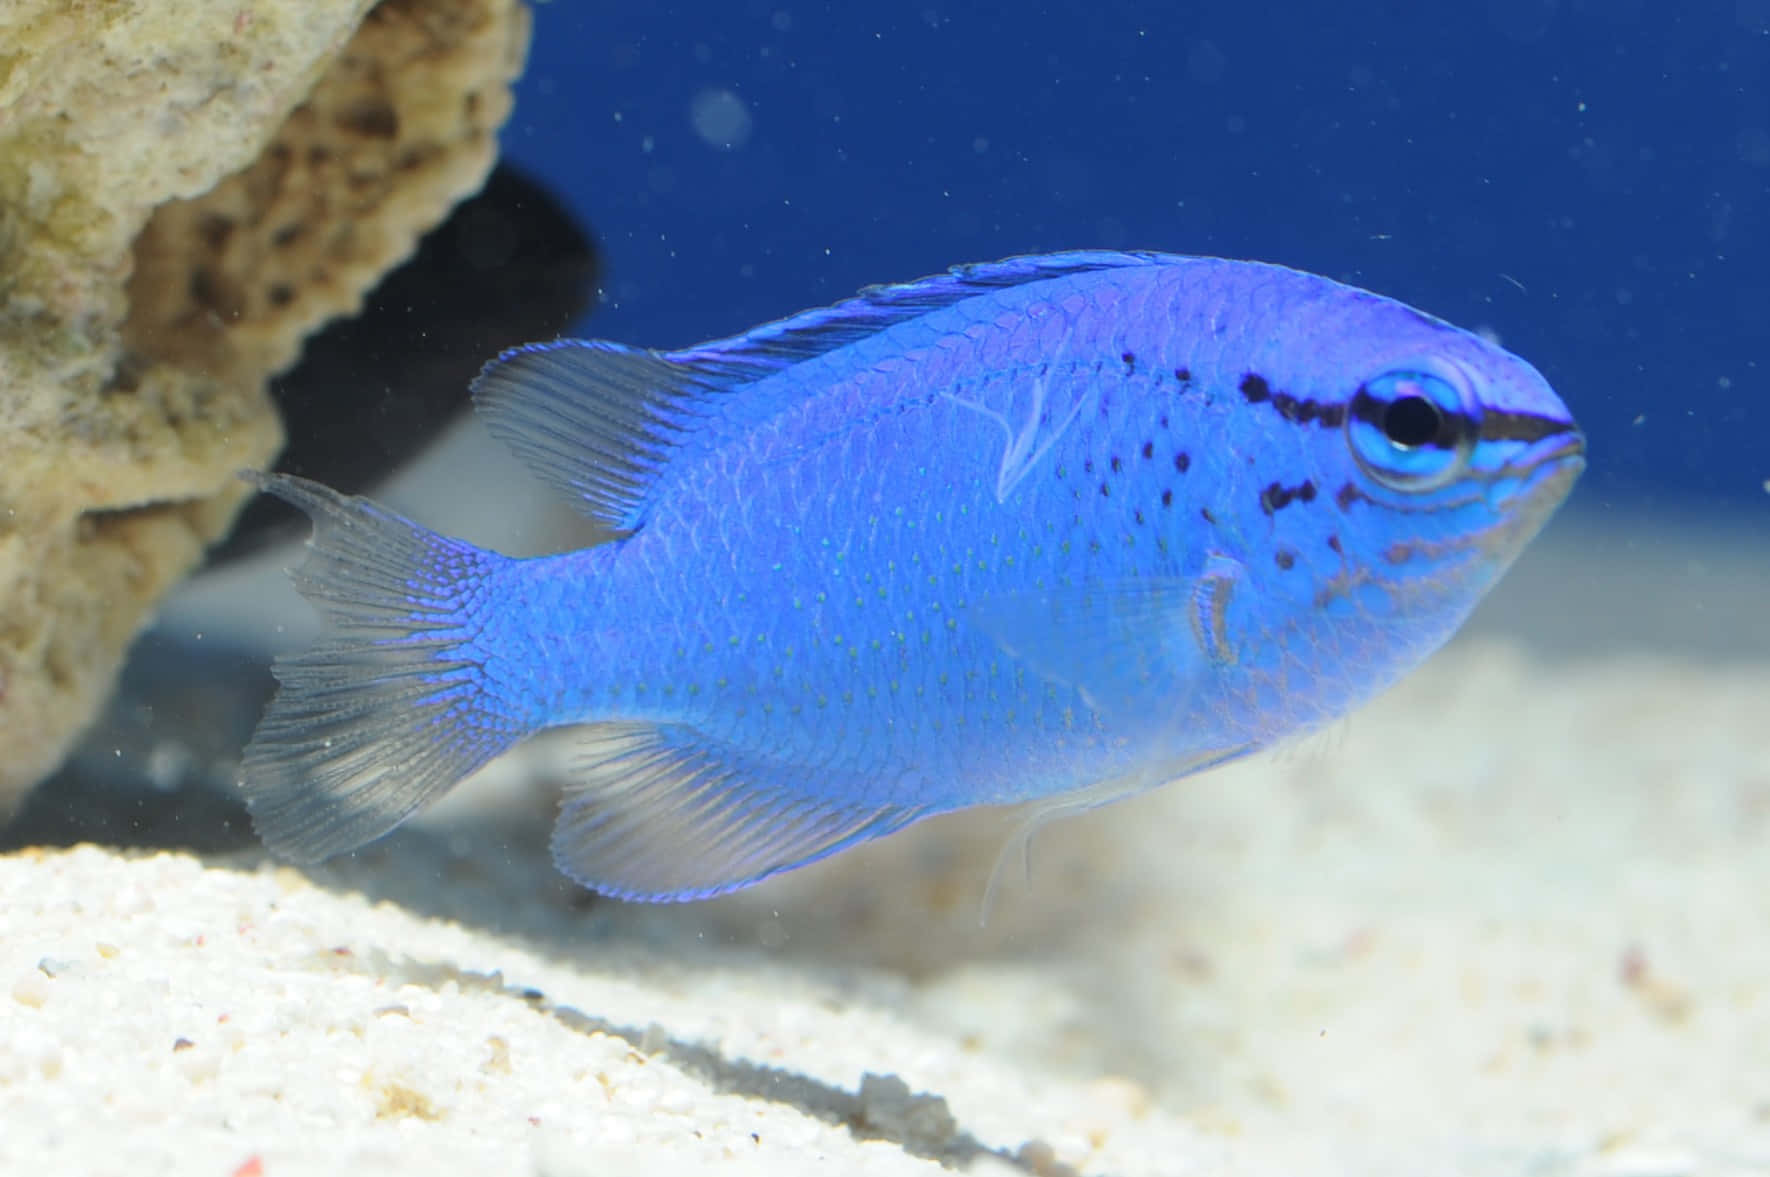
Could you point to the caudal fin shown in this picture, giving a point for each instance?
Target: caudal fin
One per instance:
(388, 711)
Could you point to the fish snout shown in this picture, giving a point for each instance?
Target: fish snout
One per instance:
(1541, 475)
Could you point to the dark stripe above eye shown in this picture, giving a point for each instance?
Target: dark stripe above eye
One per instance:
(1498, 425)
(1256, 390)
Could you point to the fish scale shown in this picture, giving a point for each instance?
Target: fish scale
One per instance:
(1054, 529)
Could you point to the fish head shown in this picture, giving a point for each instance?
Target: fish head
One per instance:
(1448, 456)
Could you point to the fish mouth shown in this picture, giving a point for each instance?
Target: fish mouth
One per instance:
(1541, 476)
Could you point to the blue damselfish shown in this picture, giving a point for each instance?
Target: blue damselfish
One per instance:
(1056, 529)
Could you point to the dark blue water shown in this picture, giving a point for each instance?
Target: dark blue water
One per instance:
(1589, 178)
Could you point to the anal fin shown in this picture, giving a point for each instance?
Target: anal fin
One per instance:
(663, 814)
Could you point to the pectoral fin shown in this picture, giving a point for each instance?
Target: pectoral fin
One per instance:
(1126, 644)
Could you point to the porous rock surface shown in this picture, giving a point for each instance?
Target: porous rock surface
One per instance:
(186, 191)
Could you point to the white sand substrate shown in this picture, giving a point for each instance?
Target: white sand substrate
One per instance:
(1512, 919)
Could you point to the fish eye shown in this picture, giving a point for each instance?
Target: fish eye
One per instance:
(1412, 430)
(1411, 421)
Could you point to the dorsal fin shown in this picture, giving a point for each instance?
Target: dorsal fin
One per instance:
(600, 420)
(815, 332)
(597, 420)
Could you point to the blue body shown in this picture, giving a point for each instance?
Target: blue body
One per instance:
(1059, 528)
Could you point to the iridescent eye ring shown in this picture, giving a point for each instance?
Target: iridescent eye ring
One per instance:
(1413, 430)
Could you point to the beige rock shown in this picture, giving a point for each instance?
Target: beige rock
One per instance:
(186, 191)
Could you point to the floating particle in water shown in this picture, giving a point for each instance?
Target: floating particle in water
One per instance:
(721, 119)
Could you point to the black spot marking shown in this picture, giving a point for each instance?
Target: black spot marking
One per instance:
(1137, 514)
(1285, 558)
(1302, 412)
(1276, 496)
(1334, 543)
(1183, 375)
(1105, 491)
(1205, 513)
(1129, 359)
(1148, 449)
(1346, 496)
(1183, 461)
(1297, 410)
(1087, 465)
(1116, 464)
(1167, 498)
(1164, 420)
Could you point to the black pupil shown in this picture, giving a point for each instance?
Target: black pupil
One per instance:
(1412, 421)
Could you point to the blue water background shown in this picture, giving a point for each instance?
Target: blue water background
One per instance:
(1590, 179)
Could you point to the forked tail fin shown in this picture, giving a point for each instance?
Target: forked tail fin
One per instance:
(388, 711)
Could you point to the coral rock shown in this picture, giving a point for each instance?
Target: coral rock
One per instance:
(186, 191)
